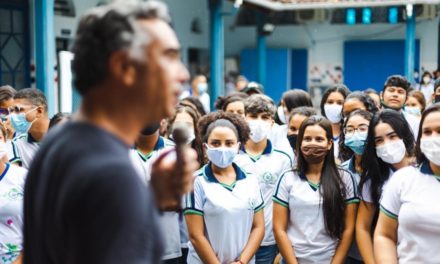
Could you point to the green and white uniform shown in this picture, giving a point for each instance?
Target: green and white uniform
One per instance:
(22, 149)
(267, 168)
(228, 212)
(412, 198)
(306, 227)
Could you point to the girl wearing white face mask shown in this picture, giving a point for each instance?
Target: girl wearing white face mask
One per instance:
(331, 107)
(224, 213)
(12, 180)
(389, 147)
(408, 228)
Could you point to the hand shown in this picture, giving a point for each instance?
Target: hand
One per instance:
(170, 182)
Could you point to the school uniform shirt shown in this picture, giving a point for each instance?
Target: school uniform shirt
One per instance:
(267, 168)
(168, 221)
(228, 212)
(350, 166)
(11, 212)
(411, 197)
(278, 138)
(22, 149)
(306, 227)
(413, 122)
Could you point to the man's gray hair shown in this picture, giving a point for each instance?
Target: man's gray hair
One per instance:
(107, 29)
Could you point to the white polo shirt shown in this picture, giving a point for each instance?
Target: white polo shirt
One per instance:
(11, 211)
(412, 198)
(228, 212)
(22, 149)
(365, 193)
(169, 221)
(278, 138)
(267, 168)
(306, 227)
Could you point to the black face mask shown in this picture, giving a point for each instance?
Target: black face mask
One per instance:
(292, 140)
(150, 130)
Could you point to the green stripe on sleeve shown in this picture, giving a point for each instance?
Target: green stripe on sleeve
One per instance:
(193, 212)
(352, 200)
(388, 213)
(259, 208)
(280, 202)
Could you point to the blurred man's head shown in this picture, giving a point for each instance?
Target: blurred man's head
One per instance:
(129, 54)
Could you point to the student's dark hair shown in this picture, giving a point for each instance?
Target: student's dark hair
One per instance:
(366, 100)
(370, 91)
(302, 110)
(397, 81)
(6, 93)
(431, 109)
(235, 122)
(58, 117)
(195, 102)
(295, 98)
(222, 102)
(436, 84)
(34, 96)
(259, 103)
(419, 97)
(331, 186)
(373, 167)
(196, 144)
(340, 88)
(107, 29)
(345, 152)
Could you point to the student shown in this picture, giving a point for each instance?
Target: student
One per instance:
(315, 205)
(148, 147)
(224, 213)
(393, 96)
(7, 101)
(389, 147)
(332, 103)
(296, 117)
(232, 103)
(354, 101)
(436, 94)
(259, 158)
(408, 228)
(373, 94)
(415, 104)
(426, 86)
(195, 103)
(30, 120)
(355, 136)
(291, 99)
(12, 179)
(199, 89)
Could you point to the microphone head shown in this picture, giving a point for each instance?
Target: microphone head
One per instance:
(180, 134)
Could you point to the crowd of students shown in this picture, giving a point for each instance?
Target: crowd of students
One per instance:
(278, 183)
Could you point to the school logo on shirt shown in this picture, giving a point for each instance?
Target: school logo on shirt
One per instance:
(14, 194)
(268, 178)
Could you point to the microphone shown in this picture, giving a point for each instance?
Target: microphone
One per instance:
(180, 135)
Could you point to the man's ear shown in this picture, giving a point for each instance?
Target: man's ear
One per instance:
(122, 68)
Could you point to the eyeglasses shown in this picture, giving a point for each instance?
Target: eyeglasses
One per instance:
(4, 113)
(349, 131)
(17, 109)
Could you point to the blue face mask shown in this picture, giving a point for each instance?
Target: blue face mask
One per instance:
(202, 87)
(20, 123)
(221, 157)
(413, 111)
(356, 142)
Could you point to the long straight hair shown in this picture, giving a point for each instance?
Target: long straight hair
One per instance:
(373, 167)
(331, 187)
(431, 109)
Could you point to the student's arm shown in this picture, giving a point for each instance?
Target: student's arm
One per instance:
(385, 240)
(255, 238)
(280, 222)
(364, 222)
(347, 234)
(196, 231)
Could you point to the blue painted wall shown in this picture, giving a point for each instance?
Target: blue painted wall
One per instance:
(285, 69)
(368, 63)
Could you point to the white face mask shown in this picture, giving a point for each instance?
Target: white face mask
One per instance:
(412, 110)
(281, 114)
(392, 152)
(259, 130)
(426, 79)
(430, 147)
(221, 157)
(333, 112)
